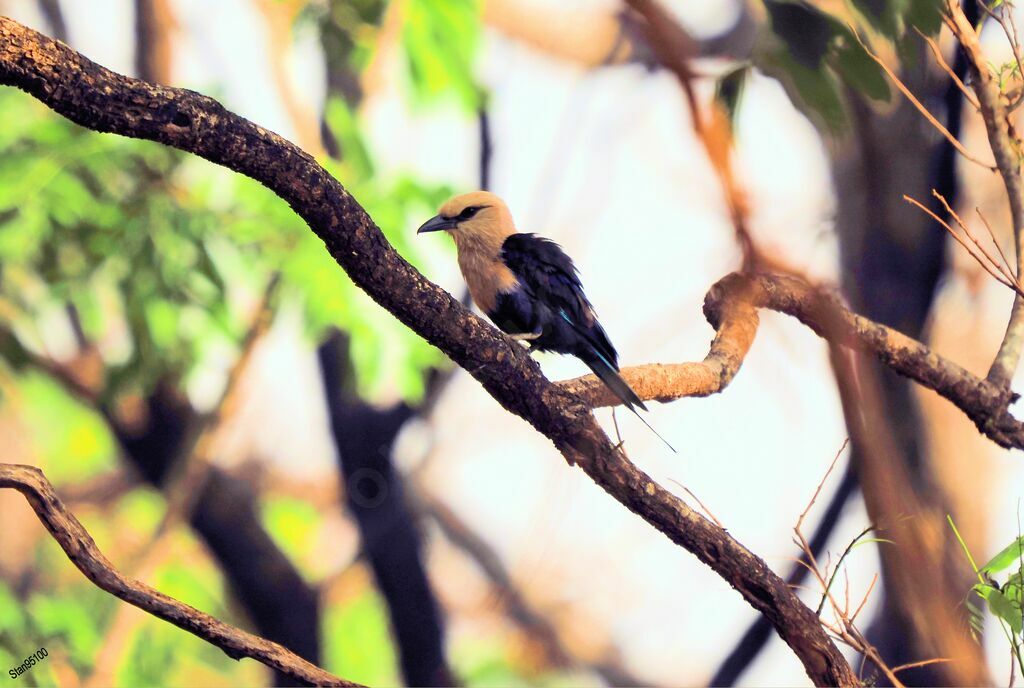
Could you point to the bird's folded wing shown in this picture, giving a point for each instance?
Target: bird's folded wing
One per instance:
(549, 276)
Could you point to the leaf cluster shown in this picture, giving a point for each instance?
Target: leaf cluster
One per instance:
(816, 55)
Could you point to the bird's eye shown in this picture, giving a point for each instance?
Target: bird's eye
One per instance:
(469, 212)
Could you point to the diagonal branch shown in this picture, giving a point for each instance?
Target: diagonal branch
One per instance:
(105, 101)
(83, 552)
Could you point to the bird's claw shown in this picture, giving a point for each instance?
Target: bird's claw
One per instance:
(526, 338)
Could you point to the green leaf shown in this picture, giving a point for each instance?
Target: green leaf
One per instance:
(814, 91)
(925, 16)
(857, 68)
(1010, 555)
(883, 15)
(729, 91)
(1005, 609)
(805, 30)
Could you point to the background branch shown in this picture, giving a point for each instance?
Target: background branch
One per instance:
(730, 306)
(83, 552)
(1005, 147)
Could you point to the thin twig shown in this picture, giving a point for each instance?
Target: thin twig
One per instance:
(941, 61)
(920, 106)
(923, 662)
(992, 267)
(1005, 148)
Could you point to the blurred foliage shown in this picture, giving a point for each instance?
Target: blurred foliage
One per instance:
(160, 252)
(1004, 599)
(294, 525)
(440, 41)
(68, 437)
(357, 642)
(815, 53)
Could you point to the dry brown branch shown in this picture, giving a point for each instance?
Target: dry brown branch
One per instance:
(1006, 148)
(998, 270)
(1003, 265)
(914, 522)
(995, 241)
(920, 106)
(844, 627)
(83, 552)
(105, 101)
(730, 306)
(941, 61)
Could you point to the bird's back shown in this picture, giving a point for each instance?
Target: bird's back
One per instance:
(550, 280)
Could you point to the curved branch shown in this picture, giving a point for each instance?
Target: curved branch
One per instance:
(102, 100)
(731, 305)
(83, 552)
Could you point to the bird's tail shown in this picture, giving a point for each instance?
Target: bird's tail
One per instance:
(609, 375)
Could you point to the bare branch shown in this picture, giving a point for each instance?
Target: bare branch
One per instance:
(996, 269)
(83, 552)
(1006, 148)
(731, 305)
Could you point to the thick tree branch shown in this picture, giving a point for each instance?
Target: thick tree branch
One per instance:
(83, 552)
(102, 100)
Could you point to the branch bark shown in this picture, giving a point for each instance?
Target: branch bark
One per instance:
(83, 552)
(998, 128)
(105, 101)
(730, 306)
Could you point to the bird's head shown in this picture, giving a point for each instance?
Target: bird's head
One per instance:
(472, 217)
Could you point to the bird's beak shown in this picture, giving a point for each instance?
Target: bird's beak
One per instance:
(436, 224)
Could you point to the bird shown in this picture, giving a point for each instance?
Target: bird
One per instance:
(529, 288)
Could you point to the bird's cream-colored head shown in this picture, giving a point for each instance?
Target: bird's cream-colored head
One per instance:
(478, 221)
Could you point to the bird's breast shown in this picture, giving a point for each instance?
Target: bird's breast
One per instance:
(486, 278)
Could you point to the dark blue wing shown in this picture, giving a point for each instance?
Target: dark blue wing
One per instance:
(551, 280)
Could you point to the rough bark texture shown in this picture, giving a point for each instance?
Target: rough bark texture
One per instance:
(82, 551)
(102, 100)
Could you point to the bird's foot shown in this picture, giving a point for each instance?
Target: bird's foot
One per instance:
(526, 336)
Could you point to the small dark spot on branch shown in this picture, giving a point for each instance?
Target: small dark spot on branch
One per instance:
(182, 120)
